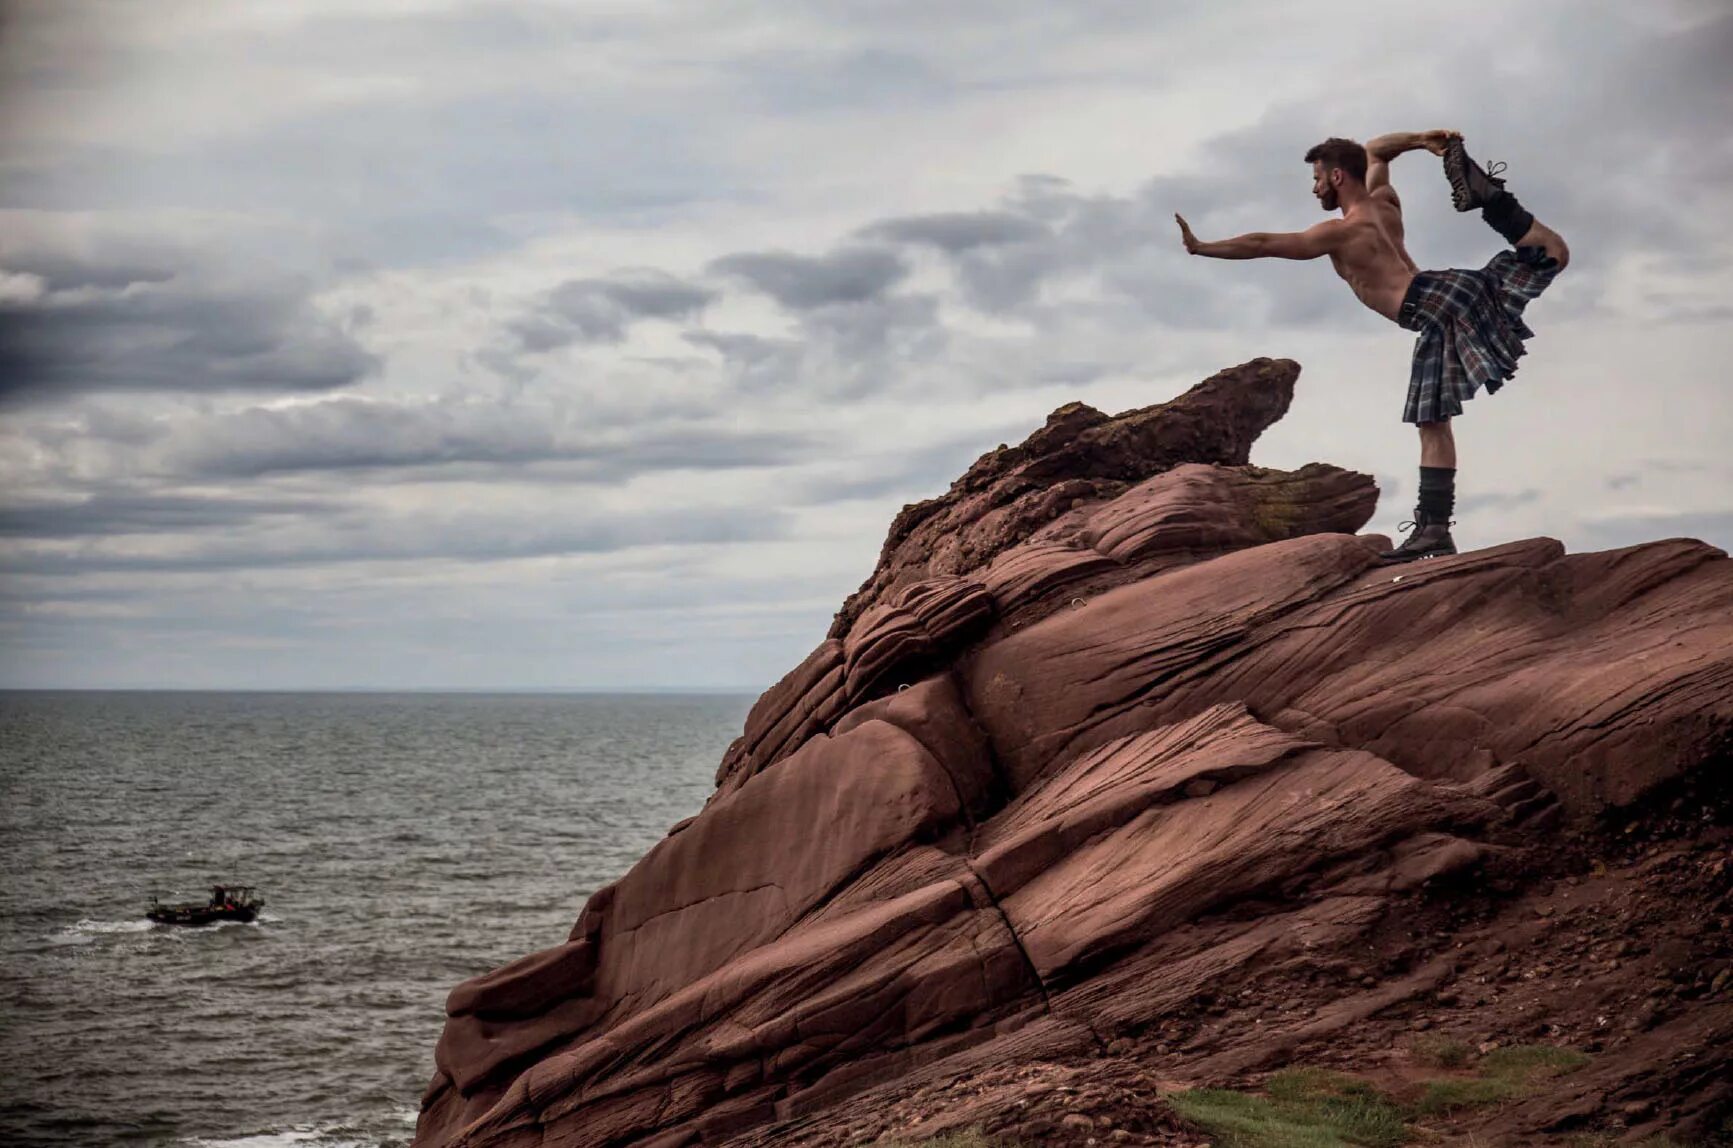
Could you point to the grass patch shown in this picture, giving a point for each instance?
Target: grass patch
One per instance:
(1311, 1108)
(1305, 1108)
(1529, 1062)
(1442, 1097)
(971, 1138)
(1504, 1074)
(1442, 1052)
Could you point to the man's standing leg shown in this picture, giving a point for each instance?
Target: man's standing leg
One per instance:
(1431, 535)
(1437, 486)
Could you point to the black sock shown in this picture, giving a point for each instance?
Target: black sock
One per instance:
(1437, 492)
(1507, 217)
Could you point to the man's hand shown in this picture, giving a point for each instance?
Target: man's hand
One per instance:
(1436, 141)
(1190, 240)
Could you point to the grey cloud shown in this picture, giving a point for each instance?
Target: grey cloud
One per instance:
(1047, 233)
(845, 349)
(601, 310)
(864, 331)
(922, 472)
(1254, 178)
(1713, 527)
(376, 540)
(355, 434)
(801, 282)
(147, 513)
(75, 321)
(755, 363)
(1469, 503)
(852, 78)
(390, 180)
(957, 231)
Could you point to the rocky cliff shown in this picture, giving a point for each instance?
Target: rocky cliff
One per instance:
(1130, 767)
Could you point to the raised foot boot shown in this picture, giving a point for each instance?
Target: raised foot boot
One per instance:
(1430, 538)
(1470, 185)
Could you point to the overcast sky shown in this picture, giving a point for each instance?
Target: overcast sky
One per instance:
(450, 343)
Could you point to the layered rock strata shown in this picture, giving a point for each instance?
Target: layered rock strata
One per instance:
(1117, 716)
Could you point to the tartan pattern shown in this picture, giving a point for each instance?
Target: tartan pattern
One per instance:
(1471, 329)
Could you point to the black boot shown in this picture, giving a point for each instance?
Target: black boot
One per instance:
(1430, 538)
(1470, 185)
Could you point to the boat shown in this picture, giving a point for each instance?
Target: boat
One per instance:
(227, 903)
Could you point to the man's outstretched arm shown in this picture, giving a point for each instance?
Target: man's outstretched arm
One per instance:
(1320, 239)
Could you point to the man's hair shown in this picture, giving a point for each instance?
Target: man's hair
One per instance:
(1338, 152)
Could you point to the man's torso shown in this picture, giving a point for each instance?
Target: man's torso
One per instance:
(1373, 261)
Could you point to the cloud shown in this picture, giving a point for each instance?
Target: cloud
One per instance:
(885, 276)
(601, 310)
(360, 434)
(1499, 500)
(77, 317)
(1631, 529)
(801, 282)
(957, 231)
(129, 512)
(421, 538)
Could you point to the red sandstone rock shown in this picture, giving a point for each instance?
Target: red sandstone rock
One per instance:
(1080, 455)
(1118, 721)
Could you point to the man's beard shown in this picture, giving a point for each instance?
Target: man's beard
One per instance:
(1328, 200)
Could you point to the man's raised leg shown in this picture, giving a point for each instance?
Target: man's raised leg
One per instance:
(1540, 235)
(1471, 187)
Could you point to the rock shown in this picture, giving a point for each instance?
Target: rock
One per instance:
(1117, 726)
(1637, 1110)
(1007, 494)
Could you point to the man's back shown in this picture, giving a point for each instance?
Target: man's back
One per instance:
(1372, 258)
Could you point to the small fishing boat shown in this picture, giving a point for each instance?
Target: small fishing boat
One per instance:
(227, 903)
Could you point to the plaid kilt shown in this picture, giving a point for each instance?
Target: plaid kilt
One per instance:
(1471, 329)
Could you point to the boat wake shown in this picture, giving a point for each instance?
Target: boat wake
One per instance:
(85, 930)
(311, 1136)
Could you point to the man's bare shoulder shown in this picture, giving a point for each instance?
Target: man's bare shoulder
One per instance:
(1385, 200)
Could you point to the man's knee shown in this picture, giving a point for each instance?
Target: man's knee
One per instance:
(1554, 243)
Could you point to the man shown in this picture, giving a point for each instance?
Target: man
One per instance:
(1470, 322)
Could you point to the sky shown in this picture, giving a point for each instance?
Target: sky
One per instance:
(433, 344)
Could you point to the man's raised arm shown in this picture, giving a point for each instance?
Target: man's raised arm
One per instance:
(1387, 147)
(1317, 240)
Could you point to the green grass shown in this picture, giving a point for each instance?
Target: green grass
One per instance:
(1442, 1052)
(969, 1139)
(1305, 1108)
(1505, 1074)
(1311, 1108)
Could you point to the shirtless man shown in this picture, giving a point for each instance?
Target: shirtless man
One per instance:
(1470, 322)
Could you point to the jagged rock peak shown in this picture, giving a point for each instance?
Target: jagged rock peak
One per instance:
(1079, 455)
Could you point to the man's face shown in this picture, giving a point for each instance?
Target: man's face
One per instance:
(1321, 186)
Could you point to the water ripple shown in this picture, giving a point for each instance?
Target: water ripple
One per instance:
(402, 843)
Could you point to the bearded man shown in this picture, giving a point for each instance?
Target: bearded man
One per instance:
(1470, 322)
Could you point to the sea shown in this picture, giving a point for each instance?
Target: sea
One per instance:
(402, 843)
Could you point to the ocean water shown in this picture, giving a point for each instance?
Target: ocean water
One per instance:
(401, 842)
